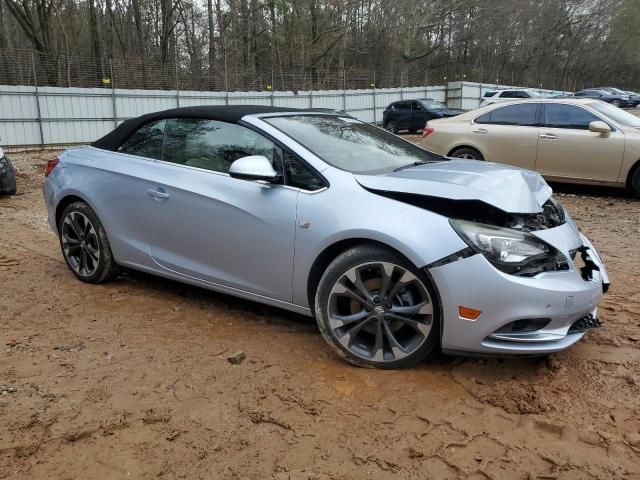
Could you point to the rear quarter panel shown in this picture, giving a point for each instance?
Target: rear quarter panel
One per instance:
(448, 133)
(109, 183)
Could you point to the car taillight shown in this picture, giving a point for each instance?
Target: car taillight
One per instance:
(427, 131)
(51, 164)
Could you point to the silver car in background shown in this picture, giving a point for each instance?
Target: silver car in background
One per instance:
(393, 249)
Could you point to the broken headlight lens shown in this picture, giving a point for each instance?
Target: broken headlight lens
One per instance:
(510, 251)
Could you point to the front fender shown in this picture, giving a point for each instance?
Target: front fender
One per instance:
(420, 235)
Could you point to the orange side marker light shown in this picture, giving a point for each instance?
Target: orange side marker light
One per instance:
(467, 313)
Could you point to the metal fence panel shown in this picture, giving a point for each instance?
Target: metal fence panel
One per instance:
(33, 116)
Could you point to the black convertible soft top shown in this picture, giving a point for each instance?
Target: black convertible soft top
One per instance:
(226, 113)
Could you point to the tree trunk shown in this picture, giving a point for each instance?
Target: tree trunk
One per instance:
(95, 42)
(212, 44)
(142, 51)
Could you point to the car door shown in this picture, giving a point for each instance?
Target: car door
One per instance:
(204, 224)
(418, 116)
(567, 148)
(403, 114)
(508, 134)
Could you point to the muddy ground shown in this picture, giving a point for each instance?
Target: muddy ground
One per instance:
(131, 380)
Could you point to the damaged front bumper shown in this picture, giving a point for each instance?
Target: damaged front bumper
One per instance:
(522, 315)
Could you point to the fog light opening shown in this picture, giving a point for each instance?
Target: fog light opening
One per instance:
(526, 325)
(467, 313)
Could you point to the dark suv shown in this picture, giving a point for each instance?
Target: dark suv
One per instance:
(615, 99)
(413, 115)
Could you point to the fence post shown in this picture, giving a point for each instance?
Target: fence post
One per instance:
(310, 89)
(177, 81)
(113, 94)
(226, 81)
(37, 93)
(344, 91)
(272, 88)
(374, 98)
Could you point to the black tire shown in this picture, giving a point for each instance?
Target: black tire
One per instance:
(355, 258)
(616, 103)
(392, 127)
(93, 241)
(468, 153)
(634, 182)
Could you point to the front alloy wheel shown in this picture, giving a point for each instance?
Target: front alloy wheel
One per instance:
(377, 313)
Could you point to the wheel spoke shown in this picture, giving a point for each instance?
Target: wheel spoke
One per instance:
(342, 290)
(378, 346)
(406, 278)
(77, 227)
(397, 349)
(73, 249)
(339, 321)
(423, 328)
(350, 335)
(386, 271)
(93, 252)
(87, 229)
(70, 241)
(355, 278)
(422, 308)
(83, 261)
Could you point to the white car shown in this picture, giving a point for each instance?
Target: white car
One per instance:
(495, 96)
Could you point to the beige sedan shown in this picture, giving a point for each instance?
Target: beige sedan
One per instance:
(566, 140)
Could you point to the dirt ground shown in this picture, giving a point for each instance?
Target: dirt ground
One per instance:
(131, 379)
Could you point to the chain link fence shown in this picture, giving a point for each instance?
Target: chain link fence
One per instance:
(26, 67)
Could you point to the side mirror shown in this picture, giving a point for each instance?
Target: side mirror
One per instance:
(253, 167)
(600, 127)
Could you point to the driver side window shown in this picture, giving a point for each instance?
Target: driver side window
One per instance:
(211, 144)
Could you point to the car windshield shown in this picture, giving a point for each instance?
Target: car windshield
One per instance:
(432, 104)
(616, 91)
(617, 114)
(351, 145)
(489, 94)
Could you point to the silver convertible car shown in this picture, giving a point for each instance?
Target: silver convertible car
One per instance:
(393, 249)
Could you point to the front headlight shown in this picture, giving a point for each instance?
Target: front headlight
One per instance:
(510, 251)
(3, 165)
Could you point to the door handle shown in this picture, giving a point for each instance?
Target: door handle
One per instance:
(482, 131)
(549, 136)
(158, 194)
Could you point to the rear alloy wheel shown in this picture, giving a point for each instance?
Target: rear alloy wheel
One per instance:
(85, 245)
(392, 127)
(377, 310)
(467, 153)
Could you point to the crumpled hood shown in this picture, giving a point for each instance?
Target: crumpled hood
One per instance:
(510, 189)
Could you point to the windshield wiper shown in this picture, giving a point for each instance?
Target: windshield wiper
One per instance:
(411, 165)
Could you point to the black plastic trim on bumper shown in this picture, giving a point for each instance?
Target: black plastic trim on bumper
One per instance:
(587, 322)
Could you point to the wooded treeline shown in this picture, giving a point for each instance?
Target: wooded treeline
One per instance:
(300, 44)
